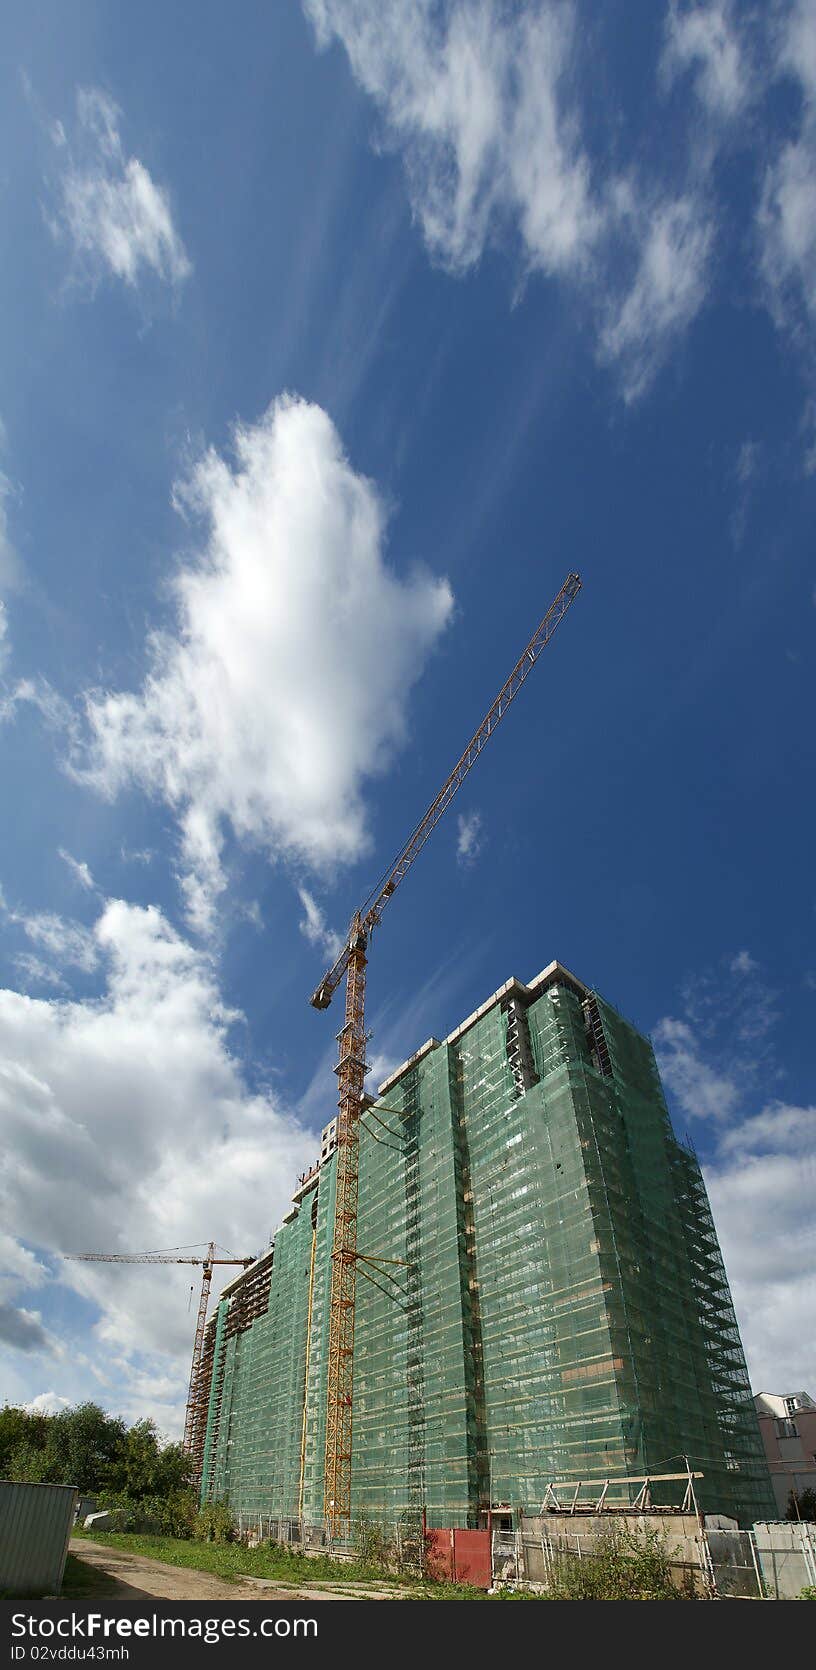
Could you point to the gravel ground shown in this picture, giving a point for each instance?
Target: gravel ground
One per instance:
(135, 1574)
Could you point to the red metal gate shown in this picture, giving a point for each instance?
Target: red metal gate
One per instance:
(459, 1556)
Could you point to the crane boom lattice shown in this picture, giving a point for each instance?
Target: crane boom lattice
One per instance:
(192, 1411)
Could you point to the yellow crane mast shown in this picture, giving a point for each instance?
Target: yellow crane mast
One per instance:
(351, 1070)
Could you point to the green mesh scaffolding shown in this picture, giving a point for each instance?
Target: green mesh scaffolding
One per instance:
(540, 1292)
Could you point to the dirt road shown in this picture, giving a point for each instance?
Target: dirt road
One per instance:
(136, 1576)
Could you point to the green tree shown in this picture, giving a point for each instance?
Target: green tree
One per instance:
(27, 1464)
(136, 1467)
(84, 1446)
(174, 1470)
(94, 1451)
(802, 1505)
(146, 1468)
(20, 1427)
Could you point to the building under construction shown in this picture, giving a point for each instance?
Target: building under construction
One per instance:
(540, 1296)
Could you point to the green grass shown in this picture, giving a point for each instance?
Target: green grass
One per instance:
(231, 1560)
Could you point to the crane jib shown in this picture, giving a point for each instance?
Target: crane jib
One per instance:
(369, 914)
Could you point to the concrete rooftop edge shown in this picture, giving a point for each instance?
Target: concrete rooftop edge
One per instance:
(551, 975)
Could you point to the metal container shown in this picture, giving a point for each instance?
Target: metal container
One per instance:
(35, 1524)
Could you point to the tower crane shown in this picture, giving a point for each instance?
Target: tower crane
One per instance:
(208, 1263)
(352, 1068)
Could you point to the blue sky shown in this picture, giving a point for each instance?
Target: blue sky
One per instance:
(332, 338)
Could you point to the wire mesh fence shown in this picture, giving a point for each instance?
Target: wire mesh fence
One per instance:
(774, 1561)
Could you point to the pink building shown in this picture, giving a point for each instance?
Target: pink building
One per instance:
(788, 1427)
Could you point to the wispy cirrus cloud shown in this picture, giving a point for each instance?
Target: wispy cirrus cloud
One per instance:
(484, 103)
(704, 41)
(505, 141)
(79, 870)
(117, 219)
(315, 928)
(674, 243)
(475, 97)
(66, 942)
(786, 215)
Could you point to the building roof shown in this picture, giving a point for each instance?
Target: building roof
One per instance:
(554, 974)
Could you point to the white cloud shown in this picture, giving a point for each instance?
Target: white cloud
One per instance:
(743, 963)
(19, 1267)
(675, 243)
(808, 431)
(778, 1126)
(79, 870)
(701, 1091)
(69, 943)
(127, 1123)
(761, 1175)
(117, 218)
(704, 39)
(284, 685)
(484, 103)
(55, 712)
(797, 45)
(721, 1051)
(11, 570)
(33, 971)
(472, 94)
(786, 217)
(469, 837)
(136, 855)
(747, 473)
(47, 1403)
(314, 927)
(748, 460)
(762, 1185)
(787, 227)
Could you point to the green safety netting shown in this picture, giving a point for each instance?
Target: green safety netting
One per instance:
(540, 1293)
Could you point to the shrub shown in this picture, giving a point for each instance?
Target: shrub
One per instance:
(625, 1565)
(371, 1543)
(165, 1516)
(214, 1523)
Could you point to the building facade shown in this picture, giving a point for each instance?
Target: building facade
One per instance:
(787, 1422)
(540, 1292)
